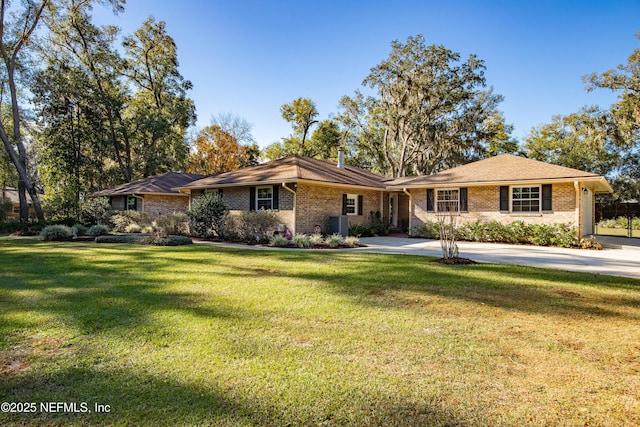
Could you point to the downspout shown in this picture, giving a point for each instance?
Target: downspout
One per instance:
(576, 185)
(404, 190)
(295, 205)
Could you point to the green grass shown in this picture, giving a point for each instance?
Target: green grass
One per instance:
(196, 335)
(617, 232)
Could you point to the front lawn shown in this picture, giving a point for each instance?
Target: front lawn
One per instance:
(198, 335)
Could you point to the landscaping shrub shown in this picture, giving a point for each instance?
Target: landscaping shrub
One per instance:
(301, 240)
(379, 225)
(563, 235)
(206, 215)
(96, 210)
(334, 240)
(279, 240)
(428, 230)
(351, 241)
(123, 219)
(80, 229)
(229, 227)
(133, 228)
(316, 239)
(145, 240)
(56, 233)
(360, 230)
(256, 226)
(98, 230)
(148, 229)
(176, 224)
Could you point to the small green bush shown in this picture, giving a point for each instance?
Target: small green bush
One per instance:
(334, 240)
(96, 210)
(123, 219)
(133, 228)
(145, 240)
(256, 226)
(301, 240)
(80, 229)
(148, 229)
(351, 241)
(360, 230)
(316, 239)
(279, 240)
(176, 224)
(53, 233)
(428, 230)
(206, 215)
(98, 230)
(379, 225)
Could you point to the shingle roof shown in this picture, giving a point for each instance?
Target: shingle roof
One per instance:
(293, 169)
(158, 184)
(500, 169)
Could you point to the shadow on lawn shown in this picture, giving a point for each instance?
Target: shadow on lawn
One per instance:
(135, 398)
(526, 289)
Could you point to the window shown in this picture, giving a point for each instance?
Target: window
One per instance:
(448, 201)
(264, 198)
(132, 203)
(351, 204)
(525, 199)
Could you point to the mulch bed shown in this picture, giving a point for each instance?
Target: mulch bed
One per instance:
(456, 261)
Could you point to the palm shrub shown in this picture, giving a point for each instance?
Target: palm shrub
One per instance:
(56, 233)
(316, 239)
(206, 215)
(279, 240)
(334, 240)
(351, 241)
(301, 240)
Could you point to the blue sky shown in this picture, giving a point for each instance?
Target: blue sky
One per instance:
(250, 57)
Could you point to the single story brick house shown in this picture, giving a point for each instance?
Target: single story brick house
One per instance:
(154, 195)
(505, 188)
(303, 191)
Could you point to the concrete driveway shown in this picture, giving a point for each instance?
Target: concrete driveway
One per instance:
(618, 258)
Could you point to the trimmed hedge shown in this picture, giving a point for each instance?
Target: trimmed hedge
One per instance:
(563, 235)
(145, 240)
(56, 233)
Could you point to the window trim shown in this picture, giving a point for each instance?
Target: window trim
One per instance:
(354, 197)
(437, 201)
(511, 200)
(258, 198)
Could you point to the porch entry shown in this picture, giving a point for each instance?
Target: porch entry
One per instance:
(399, 210)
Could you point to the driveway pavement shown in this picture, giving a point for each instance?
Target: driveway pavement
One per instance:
(619, 258)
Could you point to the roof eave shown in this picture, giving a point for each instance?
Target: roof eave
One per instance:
(454, 184)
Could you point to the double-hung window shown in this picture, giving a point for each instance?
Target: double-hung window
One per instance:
(351, 205)
(264, 198)
(525, 199)
(448, 201)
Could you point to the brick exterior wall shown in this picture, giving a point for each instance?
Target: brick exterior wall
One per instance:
(162, 205)
(314, 204)
(484, 205)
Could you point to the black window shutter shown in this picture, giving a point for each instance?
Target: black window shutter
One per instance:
(275, 203)
(344, 204)
(504, 198)
(220, 192)
(430, 200)
(546, 197)
(252, 198)
(360, 203)
(464, 205)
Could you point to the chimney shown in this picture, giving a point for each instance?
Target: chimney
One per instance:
(340, 158)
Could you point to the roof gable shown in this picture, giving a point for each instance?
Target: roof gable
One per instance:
(293, 169)
(502, 168)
